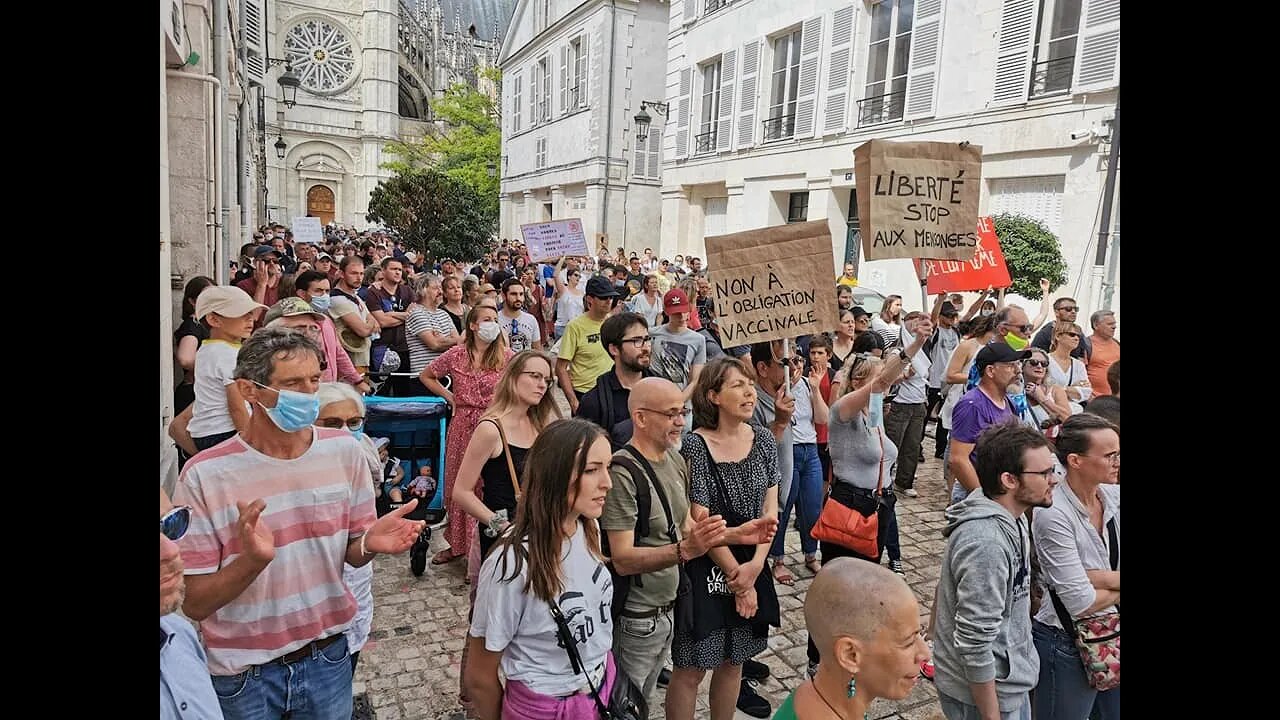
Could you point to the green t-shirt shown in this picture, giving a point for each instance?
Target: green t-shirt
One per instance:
(581, 346)
(785, 710)
(620, 514)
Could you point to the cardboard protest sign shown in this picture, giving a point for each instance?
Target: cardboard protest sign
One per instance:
(986, 269)
(307, 230)
(918, 199)
(773, 283)
(552, 240)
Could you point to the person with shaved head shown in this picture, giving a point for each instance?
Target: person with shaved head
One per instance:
(646, 547)
(866, 621)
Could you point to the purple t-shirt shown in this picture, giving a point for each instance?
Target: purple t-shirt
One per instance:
(975, 412)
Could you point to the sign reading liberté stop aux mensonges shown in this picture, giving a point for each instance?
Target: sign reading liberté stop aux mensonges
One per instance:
(773, 283)
(918, 199)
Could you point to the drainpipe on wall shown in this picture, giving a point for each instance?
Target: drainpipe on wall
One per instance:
(221, 258)
(608, 123)
(224, 126)
(242, 167)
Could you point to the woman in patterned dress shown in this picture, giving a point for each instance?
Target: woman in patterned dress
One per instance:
(474, 367)
(733, 472)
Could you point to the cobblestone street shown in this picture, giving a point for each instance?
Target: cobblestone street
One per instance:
(409, 668)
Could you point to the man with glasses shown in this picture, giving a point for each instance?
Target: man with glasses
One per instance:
(649, 549)
(1065, 309)
(985, 662)
(265, 582)
(185, 689)
(625, 337)
(301, 313)
(264, 285)
(1013, 328)
(987, 404)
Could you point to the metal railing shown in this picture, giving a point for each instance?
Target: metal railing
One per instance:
(779, 127)
(714, 5)
(881, 108)
(1052, 76)
(704, 143)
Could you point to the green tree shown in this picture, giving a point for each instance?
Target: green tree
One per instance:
(1031, 251)
(434, 213)
(467, 148)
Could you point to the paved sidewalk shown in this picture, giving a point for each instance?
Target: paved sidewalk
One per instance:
(410, 665)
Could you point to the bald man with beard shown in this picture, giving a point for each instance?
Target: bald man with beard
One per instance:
(866, 623)
(645, 618)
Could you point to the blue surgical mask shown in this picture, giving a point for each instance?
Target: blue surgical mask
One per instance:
(875, 407)
(358, 432)
(321, 302)
(294, 411)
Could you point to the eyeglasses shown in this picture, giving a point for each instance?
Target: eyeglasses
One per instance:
(335, 423)
(1072, 334)
(637, 342)
(1064, 308)
(1111, 457)
(538, 377)
(671, 414)
(174, 524)
(1042, 473)
(1039, 363)
(1024, 328)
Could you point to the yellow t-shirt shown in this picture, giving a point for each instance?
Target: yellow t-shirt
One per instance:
(851, 282)
(581, 346)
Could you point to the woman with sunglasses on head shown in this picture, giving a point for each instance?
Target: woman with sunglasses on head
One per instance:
(1047, 404)
(568, 298)
(474, 366)
(342, 407)
(548, 562)
(1066, 371)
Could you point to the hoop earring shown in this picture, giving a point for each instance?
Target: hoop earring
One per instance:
(853, 687)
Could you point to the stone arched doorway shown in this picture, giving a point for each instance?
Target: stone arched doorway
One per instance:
(320, 203)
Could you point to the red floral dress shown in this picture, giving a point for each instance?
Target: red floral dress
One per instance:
(472, 393)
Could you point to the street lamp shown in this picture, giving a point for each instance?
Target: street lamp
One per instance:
(289, 83)
(643, 118)
(491, 169)
(280, 147)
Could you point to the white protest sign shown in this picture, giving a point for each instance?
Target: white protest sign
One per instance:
(552, 240)
(307, 230)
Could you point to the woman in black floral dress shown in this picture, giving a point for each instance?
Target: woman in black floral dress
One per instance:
(733, 472)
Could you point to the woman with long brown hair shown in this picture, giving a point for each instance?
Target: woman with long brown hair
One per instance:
(733, 472)
(474, 366)
(548, 562)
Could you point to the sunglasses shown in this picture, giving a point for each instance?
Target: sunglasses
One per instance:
(174, 524)
(1072, 334)
(334, 423)
(1039, 363)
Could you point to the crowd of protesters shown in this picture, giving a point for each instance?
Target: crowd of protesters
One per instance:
(682, 485)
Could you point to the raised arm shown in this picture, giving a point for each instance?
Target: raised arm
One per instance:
(1046, 303)
(977, 304)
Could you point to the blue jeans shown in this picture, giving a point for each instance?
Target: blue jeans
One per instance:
(806, 495)
(953, 709)
(317, 688)
(1063, 691)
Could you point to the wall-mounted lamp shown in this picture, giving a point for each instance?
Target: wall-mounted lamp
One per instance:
(643, 118)
(280, 147)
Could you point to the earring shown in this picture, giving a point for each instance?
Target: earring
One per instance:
(853, 687)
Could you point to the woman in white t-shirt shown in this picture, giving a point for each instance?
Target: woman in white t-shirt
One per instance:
(649, 302)
(548, 558)
(569, 297)
(1064, 370)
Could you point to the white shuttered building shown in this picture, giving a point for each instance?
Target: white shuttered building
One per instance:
(574, 76)
(770, 97)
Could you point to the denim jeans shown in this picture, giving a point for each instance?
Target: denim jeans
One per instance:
(317, 688)
(1063, 691)
(642, 647)
(806, 495)
(953, 709)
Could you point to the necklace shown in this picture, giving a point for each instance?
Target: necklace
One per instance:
(833, 707)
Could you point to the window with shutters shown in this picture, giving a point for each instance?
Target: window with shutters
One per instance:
(885, 93)
(579, 202)
(1034, 197)
(784, 86)
(1055, 48)
(714, 5)
(540, 159)
(517, 85)
(647, 156)
(577, 73)
(798, 207)
(543, 90)
(705, 140)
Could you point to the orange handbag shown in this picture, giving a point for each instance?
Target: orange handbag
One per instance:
(849, 528)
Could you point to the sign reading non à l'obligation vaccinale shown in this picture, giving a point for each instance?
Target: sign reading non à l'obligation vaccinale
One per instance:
(555, 239)
(773, 283)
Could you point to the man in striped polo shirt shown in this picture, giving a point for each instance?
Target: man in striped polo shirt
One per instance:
(275, 511)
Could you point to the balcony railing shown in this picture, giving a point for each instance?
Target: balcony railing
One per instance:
(779, 127)
(714, 5)
(881, 108)
(704, 143)
(1052, 76)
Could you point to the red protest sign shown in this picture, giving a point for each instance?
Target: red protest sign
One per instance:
(986, 269)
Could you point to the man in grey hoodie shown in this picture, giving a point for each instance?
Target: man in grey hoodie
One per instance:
(986, 663)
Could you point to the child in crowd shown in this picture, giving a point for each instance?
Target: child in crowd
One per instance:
(219, 410)
(392, 473)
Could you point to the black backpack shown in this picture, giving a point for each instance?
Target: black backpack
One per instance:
(644, 503)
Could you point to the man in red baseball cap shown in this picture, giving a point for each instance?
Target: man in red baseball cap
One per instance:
(678, 353)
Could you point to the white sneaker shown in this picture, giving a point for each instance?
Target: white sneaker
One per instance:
(911, 492)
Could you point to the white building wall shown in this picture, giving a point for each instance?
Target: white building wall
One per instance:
(1024, 139)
